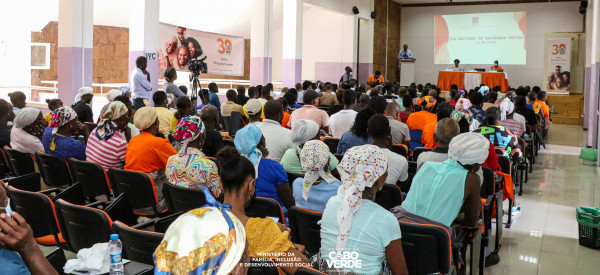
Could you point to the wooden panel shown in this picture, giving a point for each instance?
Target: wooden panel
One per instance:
(567, 109)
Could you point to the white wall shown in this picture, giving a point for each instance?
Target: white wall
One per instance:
(417, 32)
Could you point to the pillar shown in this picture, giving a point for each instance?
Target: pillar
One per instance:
(143, 38)
(292, 42)
(75, 47)
(260, 42)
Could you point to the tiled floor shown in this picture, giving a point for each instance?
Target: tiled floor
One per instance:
(544, 239)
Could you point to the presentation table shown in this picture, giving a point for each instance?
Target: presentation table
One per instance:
(470, 80)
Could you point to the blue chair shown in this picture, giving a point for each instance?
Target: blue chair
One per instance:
(416, 138)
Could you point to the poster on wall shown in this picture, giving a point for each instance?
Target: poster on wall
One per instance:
(213, 53)
(557, 73)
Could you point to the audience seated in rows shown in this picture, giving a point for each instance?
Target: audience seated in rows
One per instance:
(164, 114)
(380, 135)
(231, 105)
(58, 138)
(302, 132)
(184, 109)
(478, 113)
(170, 88)
(310, 111)
(363, 102)
(313, 190)
(491, 102)
(27, 131)
(358, 134)
(418, 120)
(444, 110)
(6, 115)
(407, 104)
(286, 114)
(107, 144)
(528, 114)
(399, 130)
(18, 101)
(445, 130)
(342, 121)
(213, 89)
(277, 139)
(329, 98)
(81, 104)
(130, 112)
(52, 105)
(499, 136)
(462, 114)
(339, 100)
(241, 97)
(511, 120)
(214, 141)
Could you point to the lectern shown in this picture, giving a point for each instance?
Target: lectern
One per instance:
(407, 71)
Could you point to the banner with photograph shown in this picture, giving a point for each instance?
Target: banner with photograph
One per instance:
(185, 49)
(557, 73)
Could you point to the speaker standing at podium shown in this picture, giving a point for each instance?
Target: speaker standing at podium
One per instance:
(405, 66)
(405, 53)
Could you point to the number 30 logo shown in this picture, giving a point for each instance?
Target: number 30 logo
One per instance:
(224, 46)
(556, 49)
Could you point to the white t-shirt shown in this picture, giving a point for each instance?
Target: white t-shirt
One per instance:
(431, 156)
(400, 131)
(341, 122)
(397, 167)
(278, 139)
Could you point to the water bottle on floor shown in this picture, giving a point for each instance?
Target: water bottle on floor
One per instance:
(115, 248)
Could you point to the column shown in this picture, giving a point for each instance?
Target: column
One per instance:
(292, 42)
(75, 42)
(260, 42)
(143, 37)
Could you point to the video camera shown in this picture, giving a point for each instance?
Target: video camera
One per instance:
(198, 66)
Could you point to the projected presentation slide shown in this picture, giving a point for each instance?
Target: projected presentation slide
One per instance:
(481, 38)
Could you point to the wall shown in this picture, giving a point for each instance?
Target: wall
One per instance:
(417, 32)
(386, 38)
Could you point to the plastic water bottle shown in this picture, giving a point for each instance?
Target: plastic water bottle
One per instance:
(115, 248)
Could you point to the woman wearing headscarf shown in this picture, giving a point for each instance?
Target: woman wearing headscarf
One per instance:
(82, 104)
(318, 185)
(266, 238)
(27, 132)
(302, 132)
(442, 190)
(148, 153)
(191, 168)
(107, 144)
(206, 240)
(462, 115)
(352, 221)
(271, 178)
(511, 120)
(58, 138)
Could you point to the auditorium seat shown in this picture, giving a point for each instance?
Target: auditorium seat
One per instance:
(305, 229)
(262, 207)
(20, 163)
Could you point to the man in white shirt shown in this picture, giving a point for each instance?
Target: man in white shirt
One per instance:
(277, 139)
(140, 83)
(379, 132)
(405, 53)
(400, 131)
(445, 130)
(342, 121)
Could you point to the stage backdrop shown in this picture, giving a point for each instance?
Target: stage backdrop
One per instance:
(557, 69)
(177, 46)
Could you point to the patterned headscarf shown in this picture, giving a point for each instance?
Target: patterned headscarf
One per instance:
(188, 129)
(107, 127)
(431, 101)
(314, 156)
(206, 240)
(483, 89)
(83, 91)
(60, 116)
(506, 108)
(361, 167)
(246, 140)
(462, 110)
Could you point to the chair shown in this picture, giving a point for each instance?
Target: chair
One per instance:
(232, 123)
(182, 199)
(332, 143)
(92, 177)
(305, 229)
(492, 185)
(523, 166)
(29, 182)
(292, 177)
(306, 270)
(21, 163)
(323, 107)
(54, 170)
(506, 168)
(260, 266)
(138, 245)
(38, 210)
(57, 259)
(416, 138)
(400, 149)
(417, 151)
(389, 197)
(262, 207)
(427, 248)
(140, 189)
(82, 226)
(161, 225)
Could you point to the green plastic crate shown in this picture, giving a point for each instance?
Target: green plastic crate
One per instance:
(589, 226)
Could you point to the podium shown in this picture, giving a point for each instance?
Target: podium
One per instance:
(407, 71)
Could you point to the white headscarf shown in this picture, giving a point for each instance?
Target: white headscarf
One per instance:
(469, 148)
(26, 116)
(506, 108)
(83, 91)
(112, 94)
(313, 158)
(303, 131)
(361, 167)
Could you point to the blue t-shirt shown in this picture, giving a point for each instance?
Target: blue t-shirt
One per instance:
(317, 196)
(66, 147)
(11, 263)
(478, 113)
(372, 230)
(214, 100)
(270, 175)
(350, 140)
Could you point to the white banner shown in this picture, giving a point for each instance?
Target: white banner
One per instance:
(222, 54)
(557, 73)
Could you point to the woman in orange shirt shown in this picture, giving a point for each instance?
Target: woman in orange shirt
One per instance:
(286, 115)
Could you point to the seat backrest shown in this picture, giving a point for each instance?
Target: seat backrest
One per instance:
(305, 229)
(332, 143)
(138, 245)
(489, 182)
(418, 150)
(389, 197)
(260, 266)
(161, 225)
(53, 169)
(292, 177)
(416, 134)
(427, 248)
(139, 187)
(82, 226)
(305, 270)
(92, 177)
(262, 207)
(21, 163)
(29, 182)
(505, 166)
(182, 199)
(37, 209)
(400, 149)
(234, 123)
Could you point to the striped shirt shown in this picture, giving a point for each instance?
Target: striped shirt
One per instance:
(514, 126)
(108, 153)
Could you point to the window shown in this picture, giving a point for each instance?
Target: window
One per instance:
(40, 56)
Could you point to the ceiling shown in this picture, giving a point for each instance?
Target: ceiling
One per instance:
(413, 2)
